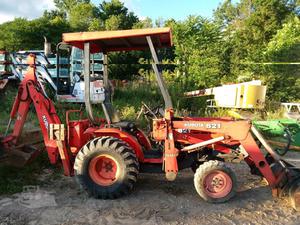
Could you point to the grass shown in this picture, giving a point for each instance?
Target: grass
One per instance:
(7, 98)
(127, 100)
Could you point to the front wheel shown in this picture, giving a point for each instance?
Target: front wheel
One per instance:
(215, 182)
(106, 168)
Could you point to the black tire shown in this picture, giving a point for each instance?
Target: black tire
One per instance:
(209, 168)
(121, 153)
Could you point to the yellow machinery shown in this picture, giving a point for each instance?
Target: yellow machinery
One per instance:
(248, 95)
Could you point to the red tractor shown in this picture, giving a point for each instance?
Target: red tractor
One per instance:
(106, 155)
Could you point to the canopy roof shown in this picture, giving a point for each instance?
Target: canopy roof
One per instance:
(120, 40)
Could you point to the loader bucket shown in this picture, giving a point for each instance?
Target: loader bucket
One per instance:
(291, 184)
(20, 155)
(294, 194)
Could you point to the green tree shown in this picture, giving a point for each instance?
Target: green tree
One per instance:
(113, 22)
(248, 27)
(52, 14)
(14, 35)
(197, 50)
(21, 34)
(65, 6)
(96, 25)
(116, 16)
(284, 47)
(226, 13)
(145, 23)
(82, 16)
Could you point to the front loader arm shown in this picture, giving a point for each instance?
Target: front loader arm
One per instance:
(264, 161)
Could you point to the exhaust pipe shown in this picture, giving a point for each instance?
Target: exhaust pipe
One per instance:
(47, 47)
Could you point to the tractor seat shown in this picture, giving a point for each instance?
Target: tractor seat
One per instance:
(126, 125)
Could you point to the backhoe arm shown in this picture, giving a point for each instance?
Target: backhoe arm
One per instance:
(30, 91)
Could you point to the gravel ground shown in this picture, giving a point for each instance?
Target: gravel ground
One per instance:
(154, 201)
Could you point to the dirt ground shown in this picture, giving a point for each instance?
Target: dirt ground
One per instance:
(154, 201)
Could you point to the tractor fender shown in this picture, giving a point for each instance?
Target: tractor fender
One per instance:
(124, 136)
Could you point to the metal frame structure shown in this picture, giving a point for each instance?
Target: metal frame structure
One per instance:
(16, 66)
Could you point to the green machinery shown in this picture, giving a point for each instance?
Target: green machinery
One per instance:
(279, 132)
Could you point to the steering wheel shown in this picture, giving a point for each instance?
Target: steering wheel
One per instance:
(151, 113)
(288, 136)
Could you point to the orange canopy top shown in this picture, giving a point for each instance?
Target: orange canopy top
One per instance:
(120, 40)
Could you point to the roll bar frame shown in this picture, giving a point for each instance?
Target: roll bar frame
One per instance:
(109, 112)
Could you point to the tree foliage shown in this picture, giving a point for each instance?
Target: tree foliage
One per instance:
(116, 15)
(82, 15)
(231, 47)
(197, 49)
(22, 34)
(252, 31)
(284, 47)
(67, 5)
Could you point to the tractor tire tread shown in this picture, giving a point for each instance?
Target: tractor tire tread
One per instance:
(109, 144)
(203, 170)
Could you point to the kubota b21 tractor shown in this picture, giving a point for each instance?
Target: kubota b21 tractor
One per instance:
(106, 155)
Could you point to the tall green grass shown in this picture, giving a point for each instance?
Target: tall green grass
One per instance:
(7, 97)
(128, 100)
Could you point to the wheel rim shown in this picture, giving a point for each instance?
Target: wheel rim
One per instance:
(104, 170)
(217, 184)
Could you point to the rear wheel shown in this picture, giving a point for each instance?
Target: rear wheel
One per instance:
(106, 168)
(215, 182)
